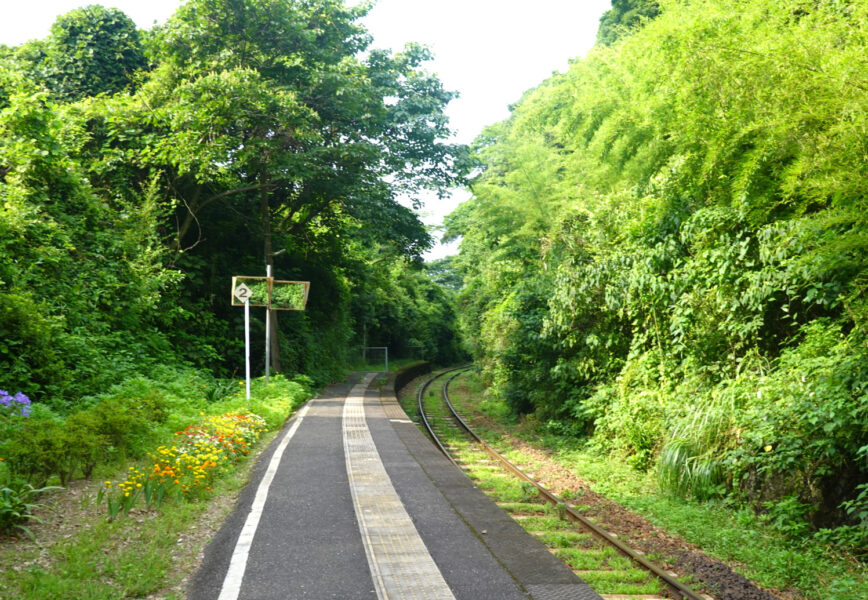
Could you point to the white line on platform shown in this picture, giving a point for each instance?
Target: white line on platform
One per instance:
(232, 582)
(401, 566)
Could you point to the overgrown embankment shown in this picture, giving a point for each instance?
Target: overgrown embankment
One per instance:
(666, 251)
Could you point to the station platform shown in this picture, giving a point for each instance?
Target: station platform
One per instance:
(351, 501)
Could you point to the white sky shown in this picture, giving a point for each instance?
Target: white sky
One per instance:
(490, 51)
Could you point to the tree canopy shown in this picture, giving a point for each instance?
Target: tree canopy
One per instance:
(624, 16)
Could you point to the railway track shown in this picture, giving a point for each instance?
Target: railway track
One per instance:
(613, 569)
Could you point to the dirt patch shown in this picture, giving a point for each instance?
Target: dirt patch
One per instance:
(61, 515)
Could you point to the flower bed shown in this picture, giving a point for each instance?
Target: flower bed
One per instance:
(198, 455)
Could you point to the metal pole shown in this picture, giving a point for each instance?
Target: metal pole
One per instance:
(268, 331)
(247, 344)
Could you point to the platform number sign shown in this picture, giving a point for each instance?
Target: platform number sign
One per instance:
(269, 293)
(243, 293)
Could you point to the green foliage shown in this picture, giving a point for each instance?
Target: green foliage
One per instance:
(90, 51)
(36, 450)
(17, 506)
(86, 439)
(28, 343)
(624, 16)
(400, 306)
(630, 417)
(72, 301)
(666, 246)
(273, 401)
(219, 390)
(46, 444)
(261, 133)
(128, 421)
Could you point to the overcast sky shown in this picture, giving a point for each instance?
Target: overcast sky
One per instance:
(490, 51)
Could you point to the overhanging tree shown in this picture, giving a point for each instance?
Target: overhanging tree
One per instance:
(268, 106)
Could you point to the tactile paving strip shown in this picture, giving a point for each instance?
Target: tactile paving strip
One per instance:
(401, 566)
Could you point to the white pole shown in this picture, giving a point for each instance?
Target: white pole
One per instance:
(267, 331)
(247, 344)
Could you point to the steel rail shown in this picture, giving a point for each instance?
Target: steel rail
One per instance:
(424, 417)
(678, 589)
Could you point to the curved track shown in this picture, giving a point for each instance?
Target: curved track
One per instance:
(675, 587)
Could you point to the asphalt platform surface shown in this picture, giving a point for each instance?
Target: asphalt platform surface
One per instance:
(351, 501)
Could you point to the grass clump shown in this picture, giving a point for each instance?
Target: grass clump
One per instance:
(565, 539)
(527, 508)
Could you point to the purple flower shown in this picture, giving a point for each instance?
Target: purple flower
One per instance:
(22, 402)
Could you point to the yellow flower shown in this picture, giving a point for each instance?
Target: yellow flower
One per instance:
(768, 448)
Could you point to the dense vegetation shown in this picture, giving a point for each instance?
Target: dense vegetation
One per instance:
(667, 252)
(140, 171)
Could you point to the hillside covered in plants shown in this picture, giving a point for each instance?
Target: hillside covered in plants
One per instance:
(666, 253)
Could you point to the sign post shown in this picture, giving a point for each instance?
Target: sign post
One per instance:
(243, 293)
(273, 295)
(247, 348)
(268, 332)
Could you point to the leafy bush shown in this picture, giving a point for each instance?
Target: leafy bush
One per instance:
(86, 443)
(128, 423)
(805, 430)
(17, 506)
(37, 449)
(29, 343)
(630, 414)
(273, 401)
